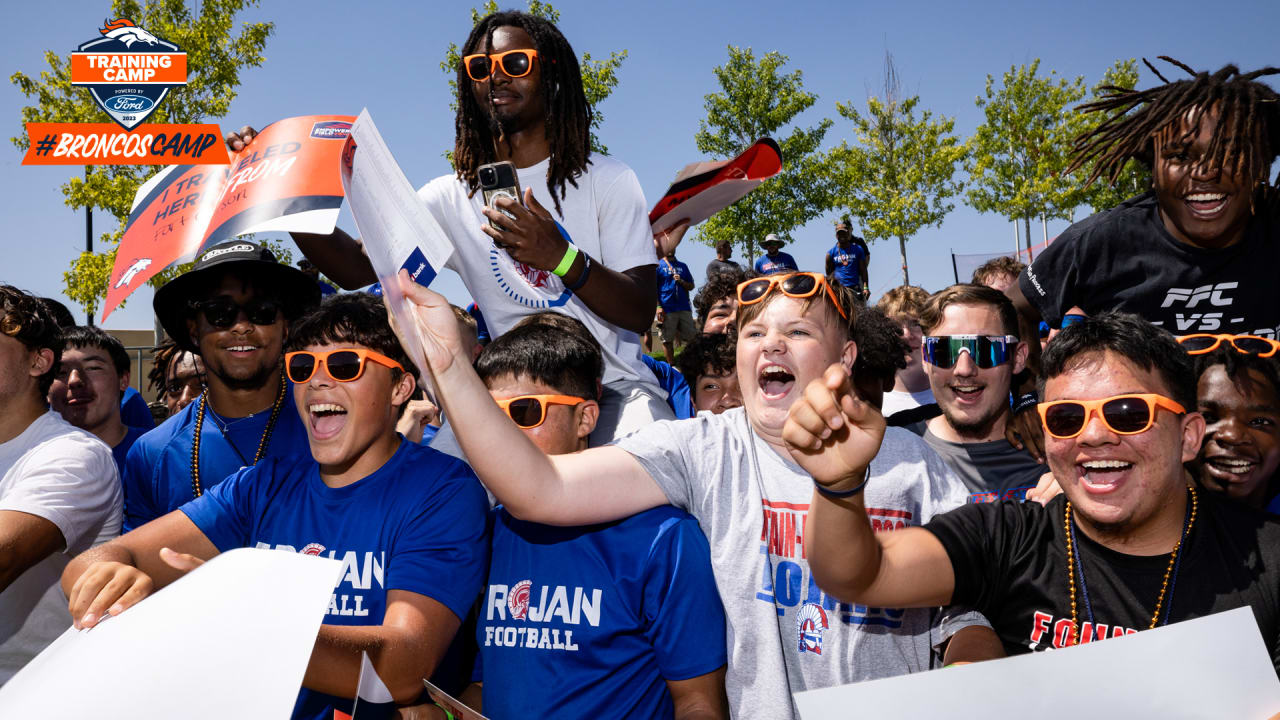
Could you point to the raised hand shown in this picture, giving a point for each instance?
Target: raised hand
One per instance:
(670, 238)
(437, 326)
(831, 433)
(238, 140)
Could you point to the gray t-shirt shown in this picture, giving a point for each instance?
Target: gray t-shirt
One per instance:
(992, 470)
(784, 634)
(721, 266)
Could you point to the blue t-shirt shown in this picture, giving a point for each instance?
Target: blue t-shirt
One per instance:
(134, 411)
(782, 262)
(848, 264)
(157, 474)
(325, 288)
(121, 451)
(590, 622)
(418, 523)
(671, 296)
(678, 395)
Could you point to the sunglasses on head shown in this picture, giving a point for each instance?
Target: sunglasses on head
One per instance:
(1202, 343)
(530, 411)
(222, 312)
(514, 63)
(986, 351)
(1122, 414)
(797, 285)
(343, 365)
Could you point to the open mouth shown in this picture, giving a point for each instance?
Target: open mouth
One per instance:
(327, 419)
(776, 381)
(967, 393)
(1102, 476)
(1231, 468)
(1206, 204)
(241, 349)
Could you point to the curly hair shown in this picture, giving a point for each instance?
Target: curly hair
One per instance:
(705, 354)
(718, 287)
(27, 319)
(904, 301)
(568, 119)
(1003, 266)
(881, 349)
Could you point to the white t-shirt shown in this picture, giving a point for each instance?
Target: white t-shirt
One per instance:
(605, 215)
(785, 634)
(896, 400)
(67, 476)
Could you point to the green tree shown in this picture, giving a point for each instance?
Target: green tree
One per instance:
(1135, 179)
(215, 57)
(599, 77)
(757, 100)
(1018, 155)
(897, 178)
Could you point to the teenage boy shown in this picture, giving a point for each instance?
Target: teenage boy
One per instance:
(59, 489)
(999, 273)
(971, 352)
(521, 99)
(723, 261)
(732, 473)
(1130, 533)
(86, 390)
(774, 260)
(846, 261)
(709, 365)
(904, 305)
(717, 302)
(596, 621)
(363, 492)
(232, 309)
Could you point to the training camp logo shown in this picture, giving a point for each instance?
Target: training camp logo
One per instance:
(128, 71)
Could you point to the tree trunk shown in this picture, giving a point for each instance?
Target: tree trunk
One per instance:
(1026, 219)
(902, 247)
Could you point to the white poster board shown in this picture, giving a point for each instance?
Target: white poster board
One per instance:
(1211, 667)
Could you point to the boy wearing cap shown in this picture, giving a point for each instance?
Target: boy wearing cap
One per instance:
(407, 521)
(232, 309)
(774, 260)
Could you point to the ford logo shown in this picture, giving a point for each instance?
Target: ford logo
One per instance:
(129, 103)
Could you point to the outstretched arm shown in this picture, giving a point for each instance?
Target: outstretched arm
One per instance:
(592, 486)
(834, 435)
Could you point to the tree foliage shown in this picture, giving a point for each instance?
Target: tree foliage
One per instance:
(1135, 179)
(599, 77)
(215, 57)
(897, 178)
(1018, 155)
(757, 100)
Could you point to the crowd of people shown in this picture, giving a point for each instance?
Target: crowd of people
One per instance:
(807, 491)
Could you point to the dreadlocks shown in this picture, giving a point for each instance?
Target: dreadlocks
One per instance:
(1247, 135)
(568, 121)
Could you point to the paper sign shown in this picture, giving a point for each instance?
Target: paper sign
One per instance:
(369, 688)
(704, 189)
(286, 180)
(395, 227)
(231, 639)
(1211, 667)
(452, 704)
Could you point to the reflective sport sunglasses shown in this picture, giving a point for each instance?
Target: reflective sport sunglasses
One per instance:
(343, 365)
(986, 351)
(515, 63)
(530, 411)
(796, 285)
(222, 312)
(1199, 344)
(1122, 414)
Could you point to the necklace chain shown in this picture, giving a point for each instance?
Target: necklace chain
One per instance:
(1164, 586)
(196, 489)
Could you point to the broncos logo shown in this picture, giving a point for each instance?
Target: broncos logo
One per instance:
(125, 31)
(137, 267)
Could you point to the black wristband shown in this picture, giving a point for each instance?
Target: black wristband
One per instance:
(582, 277)
(840, 494)
(1024, 402)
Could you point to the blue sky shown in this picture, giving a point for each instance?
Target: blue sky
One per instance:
(337, 57)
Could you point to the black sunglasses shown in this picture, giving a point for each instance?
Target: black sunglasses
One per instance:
(222, 312)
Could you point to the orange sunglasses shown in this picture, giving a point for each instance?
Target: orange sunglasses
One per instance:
(1122, 414)
(1202, 343)
(515, 63)
(530, 411)
(343, 365)
(797, 285)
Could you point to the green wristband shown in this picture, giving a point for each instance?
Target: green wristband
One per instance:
(447, 714)
(566, 262)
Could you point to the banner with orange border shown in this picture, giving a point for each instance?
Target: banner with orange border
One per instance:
(109, 144)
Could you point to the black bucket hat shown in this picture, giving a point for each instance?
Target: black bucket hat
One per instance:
(295, 289)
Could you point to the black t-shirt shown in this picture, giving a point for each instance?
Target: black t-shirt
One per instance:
(1125, 259)
(1010, 562)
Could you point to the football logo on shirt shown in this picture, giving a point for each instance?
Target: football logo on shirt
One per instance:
(518, 599)
(312, 549)
(811, 622)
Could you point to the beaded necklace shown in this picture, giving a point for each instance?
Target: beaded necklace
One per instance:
(262, 444)
(1175, 560)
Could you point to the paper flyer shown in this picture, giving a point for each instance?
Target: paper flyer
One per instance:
(452, 704)
(284, 181)
(395, 227)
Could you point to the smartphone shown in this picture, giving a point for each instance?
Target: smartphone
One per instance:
(499, 180)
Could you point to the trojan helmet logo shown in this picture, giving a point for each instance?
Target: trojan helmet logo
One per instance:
(128, 70)
(518, 599)
(811, 622)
